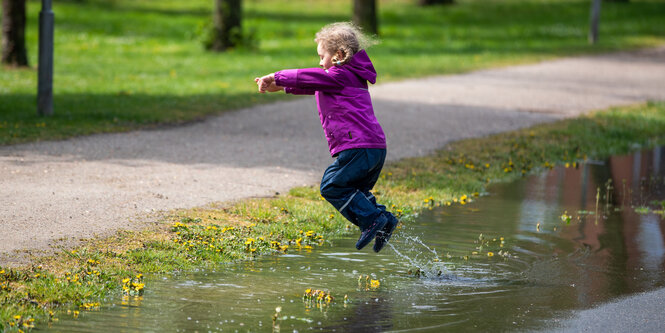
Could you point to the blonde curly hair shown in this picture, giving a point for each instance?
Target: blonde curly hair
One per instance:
(344, 37)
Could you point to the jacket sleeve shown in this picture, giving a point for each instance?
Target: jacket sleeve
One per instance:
(296, 91)
(313, 79)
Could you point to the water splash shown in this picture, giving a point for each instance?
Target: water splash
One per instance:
(399, 254)
(420, 263)
(417, 240)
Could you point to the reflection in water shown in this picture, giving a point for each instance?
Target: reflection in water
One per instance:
(545, 268)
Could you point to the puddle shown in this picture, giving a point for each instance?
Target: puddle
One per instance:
(546, 267)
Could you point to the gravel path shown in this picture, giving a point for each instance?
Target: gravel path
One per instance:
(59, 192)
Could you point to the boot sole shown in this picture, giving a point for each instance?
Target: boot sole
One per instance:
(379, 244)
(370, 236)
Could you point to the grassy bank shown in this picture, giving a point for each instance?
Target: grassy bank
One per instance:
(128, 64)
(77, 280)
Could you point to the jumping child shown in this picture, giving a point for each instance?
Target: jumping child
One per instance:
(354, 136)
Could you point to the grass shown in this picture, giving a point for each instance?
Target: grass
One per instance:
(127, 64)
(77, 280)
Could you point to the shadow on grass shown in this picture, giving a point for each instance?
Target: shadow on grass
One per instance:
(84, 114)
(484, 21)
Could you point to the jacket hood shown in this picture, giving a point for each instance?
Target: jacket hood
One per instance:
(362, 66)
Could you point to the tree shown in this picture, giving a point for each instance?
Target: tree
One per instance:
(436, 2)
(227, 24)
(14, 52)
(364, 16)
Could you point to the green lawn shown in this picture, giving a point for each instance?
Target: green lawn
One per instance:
(127, 64)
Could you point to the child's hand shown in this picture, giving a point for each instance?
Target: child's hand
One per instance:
(267, 83)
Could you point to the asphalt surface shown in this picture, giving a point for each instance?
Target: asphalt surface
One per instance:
(637, 313)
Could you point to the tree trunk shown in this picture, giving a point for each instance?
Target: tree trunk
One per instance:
(14, 52)
(436, 2)
(365, 16)
(227, 21)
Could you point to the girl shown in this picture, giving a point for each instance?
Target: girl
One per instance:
(354, 135)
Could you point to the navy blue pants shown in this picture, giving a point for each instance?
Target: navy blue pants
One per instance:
(347, 183)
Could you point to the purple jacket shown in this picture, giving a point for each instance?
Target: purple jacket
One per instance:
(344, 104)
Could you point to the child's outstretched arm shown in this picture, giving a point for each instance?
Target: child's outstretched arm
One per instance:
(267, 83)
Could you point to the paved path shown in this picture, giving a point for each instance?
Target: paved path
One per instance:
(637, 313)
(98, 184)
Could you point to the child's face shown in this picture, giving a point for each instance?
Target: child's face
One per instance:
(325, 56)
